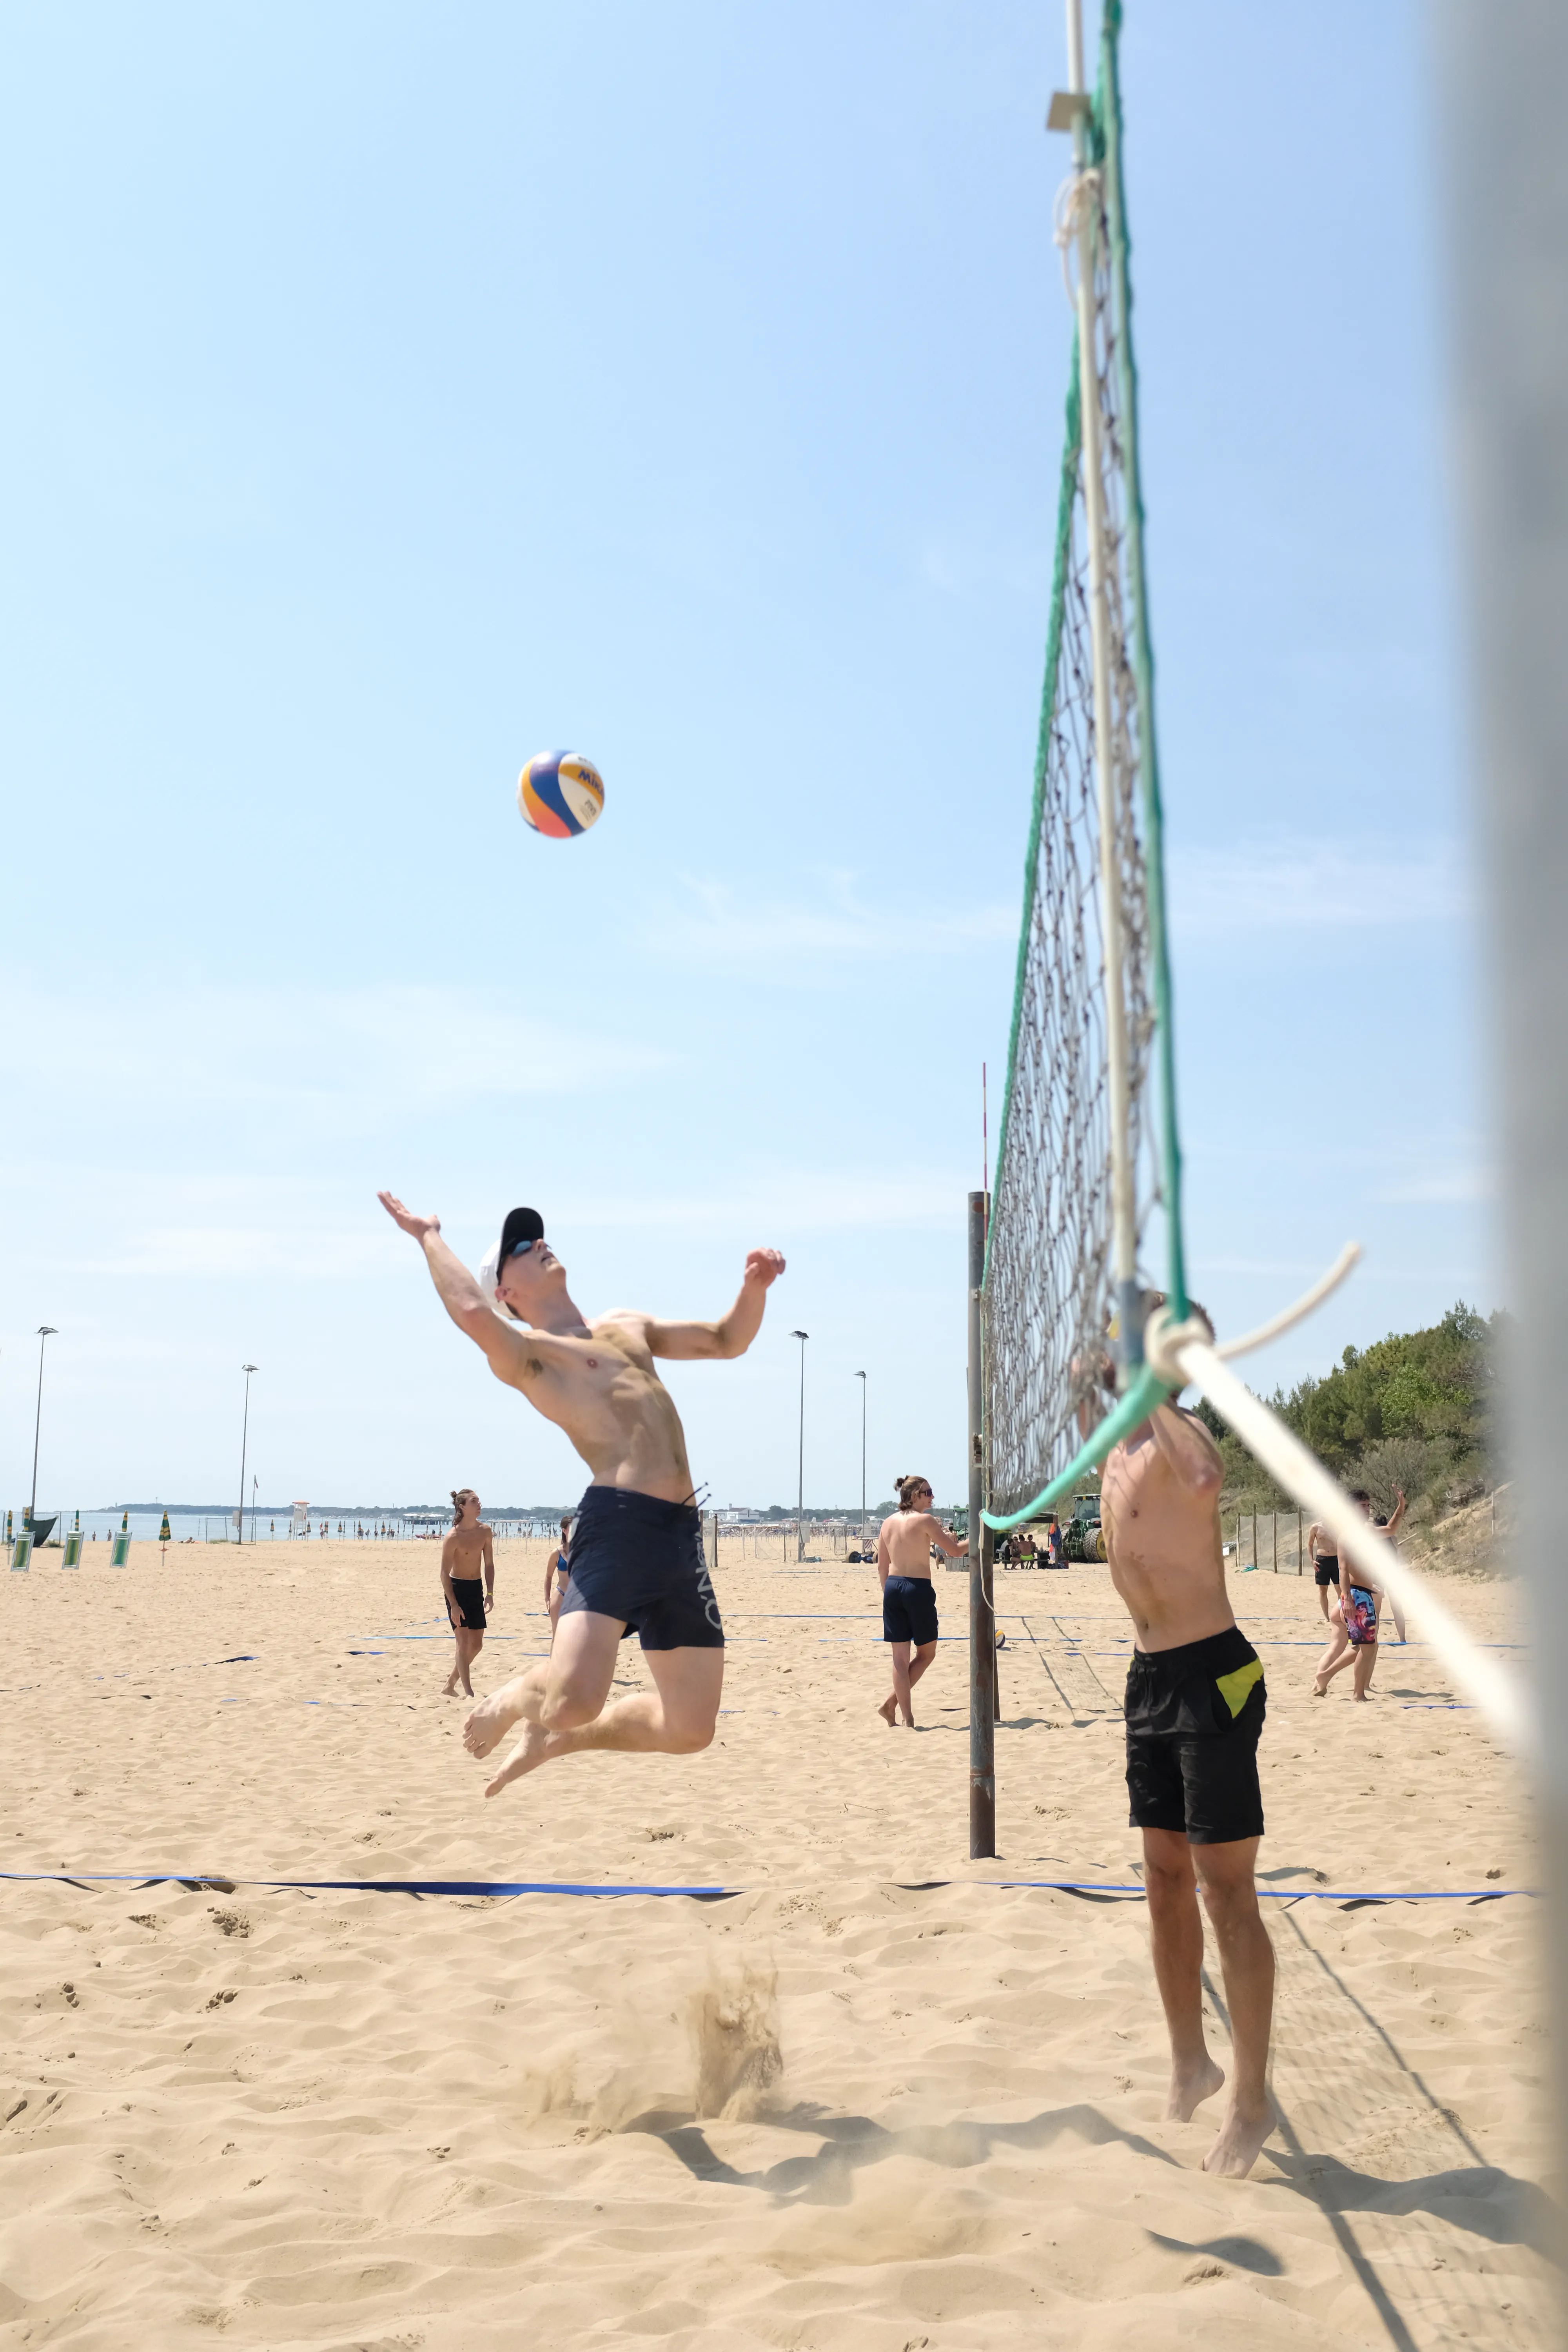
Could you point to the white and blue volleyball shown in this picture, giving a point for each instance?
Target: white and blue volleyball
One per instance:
(560, 794)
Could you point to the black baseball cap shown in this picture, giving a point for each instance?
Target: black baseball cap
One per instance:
(521, 1226)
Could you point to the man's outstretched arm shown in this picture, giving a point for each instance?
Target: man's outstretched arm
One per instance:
(459, 1294)
(734, 1333)
(1188, 1447)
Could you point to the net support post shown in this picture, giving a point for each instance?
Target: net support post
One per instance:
(981, 1617)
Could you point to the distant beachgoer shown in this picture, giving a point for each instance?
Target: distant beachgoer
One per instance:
(637, 1540)
(1387, 1524)
(1325, 1562)
(558, 1575)
(1055, 1551)
(905, 1545)
(467, 1552)
(1354, 1619)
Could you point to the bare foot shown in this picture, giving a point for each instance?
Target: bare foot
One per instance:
(1319, 1690)
(889, 1709)
(1361, 1697)
(532, 1750)
(1190, 2086)
(486, 1725)
(1241, 2138)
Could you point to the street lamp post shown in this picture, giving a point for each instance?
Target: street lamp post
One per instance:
(244, 1435)
(800, 1490)
(861, 1377)
(45, 1331)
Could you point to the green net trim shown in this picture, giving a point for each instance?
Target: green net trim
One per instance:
(1024, 1363)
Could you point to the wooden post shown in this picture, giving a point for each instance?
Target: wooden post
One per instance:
(981, 1619)
(1274, 1539)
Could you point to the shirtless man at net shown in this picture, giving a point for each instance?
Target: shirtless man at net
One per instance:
(909, 1597)
(1195, 1709)
(636, 1539)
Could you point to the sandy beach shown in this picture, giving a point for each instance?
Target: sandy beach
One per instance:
(875, 2099)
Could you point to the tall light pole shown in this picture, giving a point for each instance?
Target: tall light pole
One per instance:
(861, 1377)
(800, 1504)
(244, 1434)
(45, 1331)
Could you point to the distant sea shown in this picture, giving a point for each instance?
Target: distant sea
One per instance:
(191, 1522)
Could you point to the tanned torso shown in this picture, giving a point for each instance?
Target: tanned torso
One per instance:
(602, 1389)
(593, 1377)
(908, 1536)
(1160, 1505)
(464, 1553)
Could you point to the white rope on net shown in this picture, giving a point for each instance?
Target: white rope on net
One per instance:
(1184, 1352)
(1048, 1291)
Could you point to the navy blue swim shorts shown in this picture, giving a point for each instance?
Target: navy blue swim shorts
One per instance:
(639, 1558)
(909, 1610)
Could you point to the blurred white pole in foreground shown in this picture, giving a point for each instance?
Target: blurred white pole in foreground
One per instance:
(1504, 158)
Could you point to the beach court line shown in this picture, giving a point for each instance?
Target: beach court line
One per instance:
(198, 1880)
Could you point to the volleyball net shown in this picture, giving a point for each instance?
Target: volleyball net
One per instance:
(1087, 1168)
(1084, 1237)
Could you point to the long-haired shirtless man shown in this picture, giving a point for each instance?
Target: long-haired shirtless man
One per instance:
(636, 1543)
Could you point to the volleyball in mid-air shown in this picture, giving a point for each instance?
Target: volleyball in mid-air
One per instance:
(560, 794)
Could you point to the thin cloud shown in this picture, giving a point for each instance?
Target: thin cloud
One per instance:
(1458, 1184)
(714, 926)
(1295, 883)
(307, 1053)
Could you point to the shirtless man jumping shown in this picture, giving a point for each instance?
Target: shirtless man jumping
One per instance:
(909, 1596)
(1195, 1709)
(637, 1540)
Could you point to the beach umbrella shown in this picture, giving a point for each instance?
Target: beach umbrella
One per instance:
(75, 1524)
(163, 1537)
(125, 1522)
(7, 1530)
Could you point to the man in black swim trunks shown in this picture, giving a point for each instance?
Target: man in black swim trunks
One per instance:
(909, 1597)
(637, 1540)
(1195, 1709)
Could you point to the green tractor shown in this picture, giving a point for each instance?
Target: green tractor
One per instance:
(1083, 1536)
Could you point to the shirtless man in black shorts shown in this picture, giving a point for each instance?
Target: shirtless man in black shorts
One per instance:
(558, 1575)
(1195, 1709)
(468, 1550)
(909, 1597)
(637, 1540)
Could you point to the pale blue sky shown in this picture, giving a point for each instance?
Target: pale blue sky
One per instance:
(393, 392)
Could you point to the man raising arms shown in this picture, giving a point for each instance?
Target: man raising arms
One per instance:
(1195, 1709)
(636, 1543)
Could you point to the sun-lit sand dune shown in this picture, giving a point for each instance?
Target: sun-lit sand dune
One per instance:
(872, 2102)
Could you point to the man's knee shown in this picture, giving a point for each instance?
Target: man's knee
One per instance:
(1166, 1882)
(567, 1710)
(1167, 1867)
(926, 1653)
(1229, 1900)
(689, 1738)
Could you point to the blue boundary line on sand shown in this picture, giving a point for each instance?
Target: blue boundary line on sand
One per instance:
(199, 1880)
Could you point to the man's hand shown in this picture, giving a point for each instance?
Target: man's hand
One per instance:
(404, 1219)
(763, 1267)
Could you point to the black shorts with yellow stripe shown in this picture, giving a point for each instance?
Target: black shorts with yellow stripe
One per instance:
(1194, 1716)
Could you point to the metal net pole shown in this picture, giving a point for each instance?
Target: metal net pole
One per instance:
(981, 1620)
